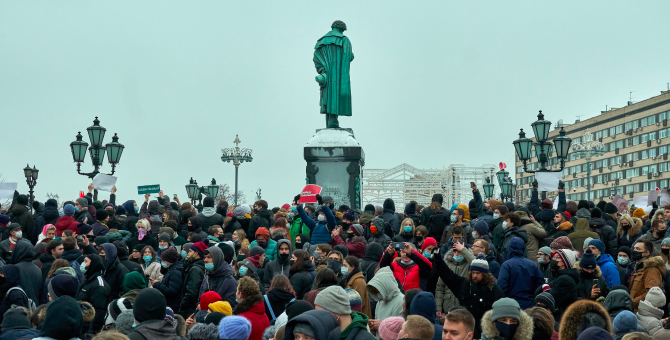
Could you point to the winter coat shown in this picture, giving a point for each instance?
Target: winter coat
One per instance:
(412, 276)
(519, 277)
(209, 218)
(490, 332)
(582, 315)
(322, 322)
(606, 233)
(423, 305)
(357, 329)
(649, 317)
(355, 245)
(31, 276)
(253, 309)
(379, 238)
(302, 279)
(582, 232)
(148, 240)
(370, 262)
(72, 257)
(445, 298)
(563, 289)
(297, 227)
(511, 232)
(320, 230)
(278, 299)
(100, 229)
(449, 230)
(581, 213)
(66, 223)
(170, 286)
(274, 268)
(357, 283)
(263, 219)
(391, 219)
(609, 270)
(47, 260)
(96, 291)
(114, 270)
(84, 215)
(623, 272)
(629, 237)
(649, 273)
(22, 216)
(15, 296)
(545, 218)
(152, 270)
(270, 251)
(194, 272)
(536, 233)
(425, 218)
(585, 285)
(21, 333)
(649, 236)
(221, 279)
(122, 255)
(155, 330)
(617, 301)
(494, 266)
(384, 289)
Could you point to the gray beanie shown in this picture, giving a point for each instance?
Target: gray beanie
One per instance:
(666, 241)
(357, 229)
(83, 202)
(201, 331)
(125, 321)
(335, 300)
(545, 250)
(503, 308)
(586, 242)
(304, 328)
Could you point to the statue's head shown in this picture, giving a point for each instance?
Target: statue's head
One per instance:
(339, 25)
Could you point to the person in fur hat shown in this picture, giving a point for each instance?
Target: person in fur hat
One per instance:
(582, 315)
(506, 321)
(628, 231)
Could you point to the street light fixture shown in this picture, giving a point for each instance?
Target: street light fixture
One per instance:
(195, 192)
(31, 180)
(96, 135)
(237, 156)
(488, 188)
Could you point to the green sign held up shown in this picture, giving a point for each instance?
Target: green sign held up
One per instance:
(148, 189)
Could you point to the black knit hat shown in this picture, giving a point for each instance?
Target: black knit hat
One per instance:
(626, 250)
(601, 205)
(149, 305)
(588, 260)
(208, 202)
(610, 209)
(101, 214)
(369, 207)
(170, 224)
(583, 204)
(22, 199)
(170, 255)
(297, 307)
(15, 318)
(437, 198)
(596, 213)
(117, 307)
(120, 210)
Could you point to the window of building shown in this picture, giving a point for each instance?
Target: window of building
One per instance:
(629, 173)
(635, 156)
(645, 170)
(651, 120)
(619, 144)
(599, 134)
(663, 133)
(645, 138)
(652, 168)
(664, 183)
(643, 122)
(619, 128)
(663, 167)
(605, 162)
(619, 175)
(652, 135)
(636, 124)
(612, 131)
(628, 126)
(662, 116)
(628, 157)
(652, 152)
(606, 133)
(630, 188)
(645, 154)
(636, 140)
(599, 164)
(645, 186)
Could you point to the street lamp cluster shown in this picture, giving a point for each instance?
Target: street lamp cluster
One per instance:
(195, 192)
(543, 147)
(237, 156)
(31, 180)
(507, 186)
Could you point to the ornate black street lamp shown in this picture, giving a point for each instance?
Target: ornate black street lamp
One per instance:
(96, 134)
(194, 192)
(488, 188)
(237, 156)
(31, 180)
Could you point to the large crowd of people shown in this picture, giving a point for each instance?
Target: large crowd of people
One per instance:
(160, 269)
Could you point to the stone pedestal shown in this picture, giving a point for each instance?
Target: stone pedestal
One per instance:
(334, 162)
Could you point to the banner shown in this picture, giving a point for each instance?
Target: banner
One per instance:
(308, 194)
(104, 182)
(652, 196)
(620, 203)
(148, 189)
(547, 181)
(7, 190)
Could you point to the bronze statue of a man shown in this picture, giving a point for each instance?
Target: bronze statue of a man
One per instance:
(332, 55)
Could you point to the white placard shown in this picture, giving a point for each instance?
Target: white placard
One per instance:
(547, 181)
(641, 202)
(104, 182)
(7, 190)
(665, 197)
(556, 203)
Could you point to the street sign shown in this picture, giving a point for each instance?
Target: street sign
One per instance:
(148, 189)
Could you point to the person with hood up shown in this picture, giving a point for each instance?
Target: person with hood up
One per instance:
(605, 263)
(170, 286)
(535, 232)
(303, 241)
(511, 229)
(383, 288)
(582, 315)
(370, 262)
(132, 284)
(301, 273)
(617, 301)
(656, 234)
(67, 222)
(249, 268)
(208, 215)
(31, 276)
(264, 241)
(565, 279)
(413, 268)
(604, 231)
(582, 232)
(95, 290)
(624, 323)
(583, 211)
(507, 321)
(353, 325)
(194, 273)
(21, 215)
(326, 222)
(628, 231)
(131, 210)
(519, 277)
(423, 305)
(114, 270)
(391, 219)
(16, 325)
(280, 265)
(252, 307)
(650, 311)
(458, 260)
(355, 243)
(314, 324)
(377, 226)
(218, 276)
(647, 272)
(122, 254)
(12, 292)
(63, 320)
(435, 217)
(589, 274)
(195, 226)
(149, 311)
(49, 216)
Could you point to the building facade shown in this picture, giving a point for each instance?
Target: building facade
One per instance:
(635, 159)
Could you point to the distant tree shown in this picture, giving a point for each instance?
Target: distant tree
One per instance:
(225, 193)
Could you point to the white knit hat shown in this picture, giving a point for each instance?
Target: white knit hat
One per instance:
(569, 257)
(655, 297)
(480, 264)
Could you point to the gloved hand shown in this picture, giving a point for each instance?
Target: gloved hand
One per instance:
(296, 198)
(535, 185)
(319, 199)
(561, 185)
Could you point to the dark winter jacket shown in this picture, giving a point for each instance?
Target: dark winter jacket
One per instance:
(425, 219)
(114, 270)
(83, 215)
(510, 233)
(278, 298)
(263, 219)
(628, 237)
(22, 216)
(617, 301)
(322, 322)
(20, 333)
(31, 276)
(122, 254)
(209, 218)
(494, 266)
(171, 284)
(370, 262)
(155, 330)
(379, 237)
(519, 277)
(320, 230)
(148, 240)
(194, 272)
(389, 216)
(15, 296)
(96, 291)
(563, 289)
(73, 256)
(606, 233)
(585, 286)
(221, 280)
(49, 216)
(410, 212)
(302, 279)
(274, 268)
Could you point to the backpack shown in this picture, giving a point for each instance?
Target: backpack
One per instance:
(272, 313)
(365, 271)
(31, 304)
(436, 224)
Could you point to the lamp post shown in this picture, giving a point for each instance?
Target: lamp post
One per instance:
(588, 149)
(194, 192)
(488, 188)
(543, 147)
(96, 134)
(31, 180)
(237, 156)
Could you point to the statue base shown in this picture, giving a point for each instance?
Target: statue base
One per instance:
(335, 162)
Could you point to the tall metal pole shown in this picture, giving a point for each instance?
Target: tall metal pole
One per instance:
(237, 166)
(588, 178)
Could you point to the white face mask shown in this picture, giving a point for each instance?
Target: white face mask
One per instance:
(495, 216)
(321, 217)
(504, 224)
(18, 235)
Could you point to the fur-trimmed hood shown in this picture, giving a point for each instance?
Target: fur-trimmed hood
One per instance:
(598, 273)
(582, 315)
(654, 261)
(87, 311)
(635, 226)
(524, 332)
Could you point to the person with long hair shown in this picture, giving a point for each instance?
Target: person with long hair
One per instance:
(301, 273)
(240, 237)
(406, 231)
(628, 231)
(279, 229)
(149, 263)
(278, 296)
(54, 271)
(356, 281)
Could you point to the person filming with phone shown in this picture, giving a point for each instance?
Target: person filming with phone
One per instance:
(409, 266)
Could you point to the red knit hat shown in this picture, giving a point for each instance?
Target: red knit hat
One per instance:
(263, 232)
(567, 213)
(254, 260)
(199, 247)
(428, 242)
(286, 207)
(207, 298)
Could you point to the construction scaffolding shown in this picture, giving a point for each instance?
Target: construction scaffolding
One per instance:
(405, 183)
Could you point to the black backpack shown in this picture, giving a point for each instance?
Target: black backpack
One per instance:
(436, 224)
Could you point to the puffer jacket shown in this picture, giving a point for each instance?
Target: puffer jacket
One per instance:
(523, 332)
(320, 230)
(221, 280)
(194, 272)
(270, 251)
(383, 289)
(581, 233)
(609, 270)
(606, 233)
(519, 277)
(536, 233)
(582, 315)
(274, 268)
(410, 276)
(302, 279)
(66, 223)
(170, 286)
(425, 218)
(96, 291)
(444, 297)
(649, 317)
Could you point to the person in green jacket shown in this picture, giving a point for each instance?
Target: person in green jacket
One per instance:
(297, 227)
(354, 325)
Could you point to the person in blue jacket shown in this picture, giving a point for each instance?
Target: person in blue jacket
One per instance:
(326, 222)
(519, 277)
(423, 304)
(605, 262)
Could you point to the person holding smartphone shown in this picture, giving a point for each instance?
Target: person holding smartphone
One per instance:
(592, 284)
(409, 266)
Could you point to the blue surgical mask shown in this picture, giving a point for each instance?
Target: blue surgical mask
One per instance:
(427, 254)
(458, 258)
(209, 266)
(184, 254)
(454, 218)
(134, 325)
(495, 216)
(147, 258)
(294, 209)
(137, 209)
(164, 264)
(344, 270)
(541, 260)
(622, 260)
(82, 268)
(504, 224)
(474, 234)
(162, 247)
(243, 271)
(407, 229)
(76, 209)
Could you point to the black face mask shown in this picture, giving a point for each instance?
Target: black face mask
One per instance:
(298, 245)
(661, 233)
(625, 227)
(345, 225)
(282, 258)
(335, 265)
(418, 238)
(665, 251)
(262, 244)
(554, 265)
(221, 238)
(350, 235)
(636, 256)
(588, 275)
(291, 263)
(164, 270)
(506, 331)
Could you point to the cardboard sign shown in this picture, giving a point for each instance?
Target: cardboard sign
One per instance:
(547, 181)
(7, 190)
(148, 189)
(665, 197)
(308, 194)
(620, 203)
(652, 195)
(104, 182)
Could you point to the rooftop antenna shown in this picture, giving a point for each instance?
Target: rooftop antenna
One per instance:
(579, 119)
(630, 98)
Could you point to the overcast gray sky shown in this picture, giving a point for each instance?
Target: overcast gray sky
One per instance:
(433, 82)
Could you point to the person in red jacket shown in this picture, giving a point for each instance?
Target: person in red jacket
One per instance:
(67, 222)
(251, 306)
(356, 243)
(410, 267)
